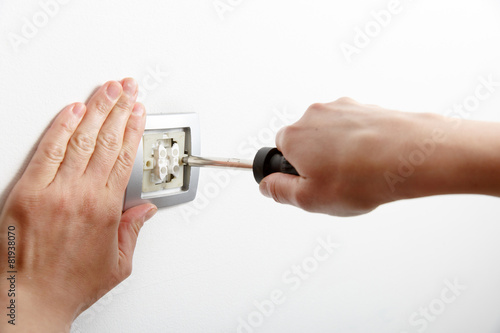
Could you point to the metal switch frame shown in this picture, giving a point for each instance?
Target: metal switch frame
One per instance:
(189, 122)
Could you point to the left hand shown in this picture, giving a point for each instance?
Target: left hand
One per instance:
(72, 241)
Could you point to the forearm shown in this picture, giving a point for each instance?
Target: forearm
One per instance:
(465, 159)
(353, 158)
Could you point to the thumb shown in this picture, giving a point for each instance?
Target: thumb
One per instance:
(283, 188)
(130, 224)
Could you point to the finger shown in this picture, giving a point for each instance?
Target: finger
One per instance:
(50, 153)
(119, 176)
(82, 143)
(279, 139)
(283, 188)
(110, 138)
(130, 224)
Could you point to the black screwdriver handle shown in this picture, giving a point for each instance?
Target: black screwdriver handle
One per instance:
(270, 160)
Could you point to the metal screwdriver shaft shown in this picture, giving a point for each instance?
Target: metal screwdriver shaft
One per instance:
(268, 160)
(197, 161)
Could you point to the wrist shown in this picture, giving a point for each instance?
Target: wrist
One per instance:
(31, 313)
(474, 158)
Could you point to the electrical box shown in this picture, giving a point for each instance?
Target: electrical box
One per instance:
(159, 175)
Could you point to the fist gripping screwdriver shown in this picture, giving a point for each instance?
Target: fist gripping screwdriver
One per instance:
(267, 161)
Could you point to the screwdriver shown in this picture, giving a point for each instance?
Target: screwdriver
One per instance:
(268, 160)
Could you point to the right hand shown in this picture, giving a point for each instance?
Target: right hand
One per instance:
(344, 150)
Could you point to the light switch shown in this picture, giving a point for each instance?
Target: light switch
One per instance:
(158, 175)
(162, 153)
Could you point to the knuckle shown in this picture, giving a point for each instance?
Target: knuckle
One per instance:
(345, 101)
(102, 108)
(291, 131)
(110, 141)
(125, 161)
(124, 105)
(67, 126)
(286, 137)
(83, 143)
(126, 158)
(317, 107)
(22, 201)
(54, 153)
(135, 128)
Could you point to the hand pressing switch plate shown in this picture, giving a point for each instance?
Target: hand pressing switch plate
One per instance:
(159, 175)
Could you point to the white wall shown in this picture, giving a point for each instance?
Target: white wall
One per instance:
(200, 267)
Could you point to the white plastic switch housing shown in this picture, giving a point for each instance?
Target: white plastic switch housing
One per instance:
(162, 160)
(158, 175)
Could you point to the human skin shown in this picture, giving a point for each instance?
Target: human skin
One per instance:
(353, 157)
(73, 243)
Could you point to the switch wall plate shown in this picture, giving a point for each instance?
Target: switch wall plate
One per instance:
(155, 177)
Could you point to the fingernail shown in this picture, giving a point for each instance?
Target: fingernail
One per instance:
(150, 214)
(114, 90)
(78, 109)
(138, 109)
(130, 86)
(263, 187)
